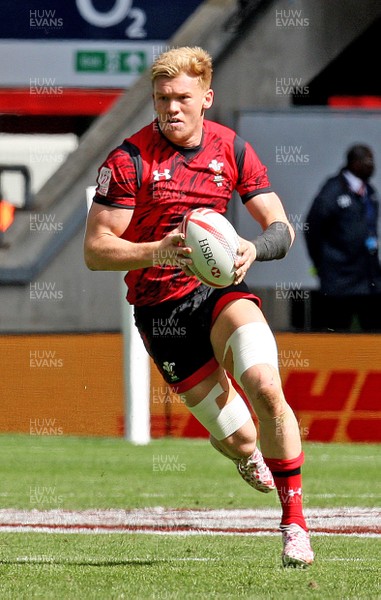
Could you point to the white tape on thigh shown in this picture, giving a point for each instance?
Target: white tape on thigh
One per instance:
(221, 422)
(252, 344)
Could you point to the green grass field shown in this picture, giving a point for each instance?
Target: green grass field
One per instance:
(65, 473)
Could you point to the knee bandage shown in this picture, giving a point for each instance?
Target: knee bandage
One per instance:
(221, 422)
(252, 344)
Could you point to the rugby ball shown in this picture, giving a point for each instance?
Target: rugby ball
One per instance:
(214, 244)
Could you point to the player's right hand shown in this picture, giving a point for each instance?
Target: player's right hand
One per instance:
(172, 252)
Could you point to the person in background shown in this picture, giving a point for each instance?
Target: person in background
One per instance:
(343, 243)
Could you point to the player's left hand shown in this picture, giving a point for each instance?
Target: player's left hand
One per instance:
(246, 257)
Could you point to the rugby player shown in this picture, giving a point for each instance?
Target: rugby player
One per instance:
(227, 351)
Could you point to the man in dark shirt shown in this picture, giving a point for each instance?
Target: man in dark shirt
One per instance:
(342, 241)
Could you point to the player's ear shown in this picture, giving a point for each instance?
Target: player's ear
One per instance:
(208, 99)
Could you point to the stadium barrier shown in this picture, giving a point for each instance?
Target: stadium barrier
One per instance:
(72, 384)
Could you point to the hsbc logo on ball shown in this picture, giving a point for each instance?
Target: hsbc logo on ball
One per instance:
(210, 260)
(208, 254)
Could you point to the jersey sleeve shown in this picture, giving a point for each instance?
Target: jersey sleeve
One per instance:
(253, 179)
(117, 180)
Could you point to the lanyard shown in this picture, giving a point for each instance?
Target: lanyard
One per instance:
(371, 241)
(370, 212)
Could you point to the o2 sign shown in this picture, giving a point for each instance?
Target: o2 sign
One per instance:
(98, 20)
(120, 11)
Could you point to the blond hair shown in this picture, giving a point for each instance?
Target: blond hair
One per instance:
(195, 62)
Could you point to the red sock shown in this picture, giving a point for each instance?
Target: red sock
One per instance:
(288, 481)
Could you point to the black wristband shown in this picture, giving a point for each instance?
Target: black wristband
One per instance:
(274, 242)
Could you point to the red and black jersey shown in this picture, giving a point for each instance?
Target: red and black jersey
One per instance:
(160, 182)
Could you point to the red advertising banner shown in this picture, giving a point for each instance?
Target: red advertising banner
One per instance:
(72, 384)
(332, 382)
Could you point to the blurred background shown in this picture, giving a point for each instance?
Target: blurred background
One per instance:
(296, 78)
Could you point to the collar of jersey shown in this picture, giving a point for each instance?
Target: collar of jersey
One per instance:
(187, 152)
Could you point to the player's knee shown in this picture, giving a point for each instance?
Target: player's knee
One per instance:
(253, 346)
(270, 403)
(263, 386)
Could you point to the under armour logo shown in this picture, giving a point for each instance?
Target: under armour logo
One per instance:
(293, 493)
(157, 175)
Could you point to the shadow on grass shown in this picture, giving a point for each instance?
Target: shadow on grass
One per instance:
(136, 562)
(82, 563)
